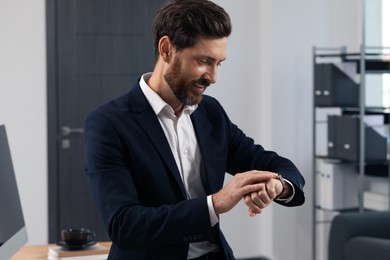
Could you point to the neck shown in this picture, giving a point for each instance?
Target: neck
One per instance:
(178, 110)
(158, 84)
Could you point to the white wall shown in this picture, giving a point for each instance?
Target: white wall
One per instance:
(23, 105)
(265, 86)
(295, 28)
(240, 92)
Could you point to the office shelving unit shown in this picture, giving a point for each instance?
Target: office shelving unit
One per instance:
(350, 138)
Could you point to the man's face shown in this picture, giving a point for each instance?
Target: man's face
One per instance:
(194, 69)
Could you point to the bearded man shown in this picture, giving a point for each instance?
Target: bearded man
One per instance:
(156, 157)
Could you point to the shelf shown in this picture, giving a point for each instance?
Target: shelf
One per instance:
(374, 62)
(374, 66)
(371, 168)
(367, 110)
(338, 210)
(351, 140)
(377, 170)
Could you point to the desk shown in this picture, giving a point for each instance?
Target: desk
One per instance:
(40, 251)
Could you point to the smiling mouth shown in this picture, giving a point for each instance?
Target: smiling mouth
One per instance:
(200, 88)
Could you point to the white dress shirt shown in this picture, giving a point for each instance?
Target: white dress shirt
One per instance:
(181, 137)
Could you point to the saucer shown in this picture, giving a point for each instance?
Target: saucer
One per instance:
(75, 247)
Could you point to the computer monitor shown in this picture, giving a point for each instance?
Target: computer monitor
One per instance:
(13, 233)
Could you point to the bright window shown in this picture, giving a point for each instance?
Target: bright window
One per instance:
(377, 40)
(386, 43)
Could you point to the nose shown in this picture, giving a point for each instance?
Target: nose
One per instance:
(211, 74)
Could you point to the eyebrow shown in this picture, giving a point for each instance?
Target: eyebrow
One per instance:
(212, 59)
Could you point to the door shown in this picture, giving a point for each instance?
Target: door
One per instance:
(97, 50)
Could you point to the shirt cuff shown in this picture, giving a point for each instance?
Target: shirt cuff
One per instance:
(287, 200)
(213, 217)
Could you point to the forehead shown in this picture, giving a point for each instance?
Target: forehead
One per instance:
(214, 48)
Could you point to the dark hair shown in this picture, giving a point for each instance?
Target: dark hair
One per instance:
(183, 21)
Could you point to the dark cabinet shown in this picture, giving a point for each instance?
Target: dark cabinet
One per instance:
(343, 140)
(334, 87)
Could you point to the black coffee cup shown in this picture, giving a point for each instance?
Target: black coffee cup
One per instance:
(77, 236)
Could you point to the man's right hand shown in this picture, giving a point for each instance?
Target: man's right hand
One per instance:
(240, 185)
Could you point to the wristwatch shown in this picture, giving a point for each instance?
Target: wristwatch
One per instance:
(279, 177)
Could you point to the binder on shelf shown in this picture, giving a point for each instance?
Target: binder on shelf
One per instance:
(321, 129)
(343, 140)
(334, 87)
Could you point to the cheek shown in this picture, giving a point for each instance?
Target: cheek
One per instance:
(193, 71)
(196, 74)
(201, 70)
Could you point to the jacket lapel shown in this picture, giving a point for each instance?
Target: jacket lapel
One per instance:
(203, 134)
(148, 121)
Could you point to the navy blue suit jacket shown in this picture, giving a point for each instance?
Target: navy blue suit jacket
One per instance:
(137, 187)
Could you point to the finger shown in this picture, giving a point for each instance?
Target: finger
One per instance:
(257, 199)
(271, 189)
(248, 189)
(261, 199)
(252, 190)
(248, 201)
(264, 197)
(252, 213)
(252, 208)
(256, 176)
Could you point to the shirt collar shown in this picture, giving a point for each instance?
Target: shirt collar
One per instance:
(155, 101)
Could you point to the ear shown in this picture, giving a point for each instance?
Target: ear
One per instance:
(165, 47)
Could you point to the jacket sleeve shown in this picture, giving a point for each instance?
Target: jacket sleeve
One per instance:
(244, 155)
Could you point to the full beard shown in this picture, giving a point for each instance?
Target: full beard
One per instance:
(184, 91)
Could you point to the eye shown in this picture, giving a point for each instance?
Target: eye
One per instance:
(202, 61)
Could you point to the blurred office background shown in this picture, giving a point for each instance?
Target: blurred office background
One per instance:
(265, 85)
